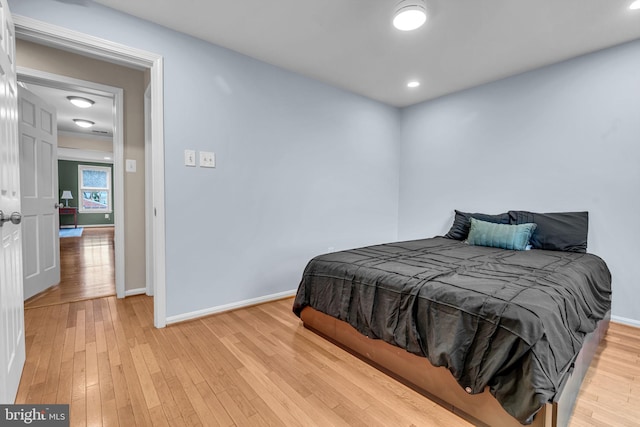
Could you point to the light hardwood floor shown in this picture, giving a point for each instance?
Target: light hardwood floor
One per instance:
(86, 269)
(251, 367)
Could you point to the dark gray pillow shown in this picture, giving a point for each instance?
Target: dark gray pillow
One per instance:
(559, 231)
(462, 221)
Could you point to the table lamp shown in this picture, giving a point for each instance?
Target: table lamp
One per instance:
(66, 195)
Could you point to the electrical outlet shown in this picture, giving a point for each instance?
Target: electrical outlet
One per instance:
(207, 159)
(189, 157)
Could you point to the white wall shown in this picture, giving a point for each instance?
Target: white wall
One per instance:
(562, 138)
(301, 166)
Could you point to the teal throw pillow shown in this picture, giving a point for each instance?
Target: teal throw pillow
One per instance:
(504, 236)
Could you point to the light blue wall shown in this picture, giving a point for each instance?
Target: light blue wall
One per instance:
(562, 138)
(301, 166)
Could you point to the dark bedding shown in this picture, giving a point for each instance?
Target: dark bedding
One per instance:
(510, 320)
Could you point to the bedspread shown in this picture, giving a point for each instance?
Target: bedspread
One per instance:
(510, 320)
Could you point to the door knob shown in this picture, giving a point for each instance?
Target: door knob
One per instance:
(56, 206)
(15, 218)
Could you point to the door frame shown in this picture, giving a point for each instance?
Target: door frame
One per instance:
(148, 192)
(84, 44)
(43, 78)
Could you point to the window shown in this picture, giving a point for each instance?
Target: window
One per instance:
(94, 188)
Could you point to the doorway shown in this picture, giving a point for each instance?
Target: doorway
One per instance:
(82, 44)
(86, 244)
(106, 148)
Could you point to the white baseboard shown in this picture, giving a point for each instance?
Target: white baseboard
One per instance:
(625, 321)
(229, 307)
(138, 291)
(87, 226)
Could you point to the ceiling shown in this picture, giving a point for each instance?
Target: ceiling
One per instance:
(101, 113)
(351, 44)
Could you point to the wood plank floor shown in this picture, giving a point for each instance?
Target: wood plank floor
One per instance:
(252, 367)
(87, 269)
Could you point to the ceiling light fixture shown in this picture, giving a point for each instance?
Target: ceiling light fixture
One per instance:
(84, 123)
(413, 83)
(80, 102)
(410, 15)
(635, 5)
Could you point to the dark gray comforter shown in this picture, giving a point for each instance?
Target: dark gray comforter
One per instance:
(513, 321)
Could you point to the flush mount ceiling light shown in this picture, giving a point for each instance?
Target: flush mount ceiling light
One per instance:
(635, 5)
(413, 83)
(410, 15)
(84, 123)
(81, 102)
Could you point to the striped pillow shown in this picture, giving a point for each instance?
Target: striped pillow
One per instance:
(504, 236)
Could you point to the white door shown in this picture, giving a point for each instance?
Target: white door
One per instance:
(39, 187)
(12, 349)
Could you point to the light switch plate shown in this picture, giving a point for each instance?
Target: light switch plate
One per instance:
(130, 165)
(207, 159)
(189, 157)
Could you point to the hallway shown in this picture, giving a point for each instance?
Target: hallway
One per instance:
(86, 269)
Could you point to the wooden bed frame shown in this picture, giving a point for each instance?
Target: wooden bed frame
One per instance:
(438, 384)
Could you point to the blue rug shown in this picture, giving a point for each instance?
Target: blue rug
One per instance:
(71, 232)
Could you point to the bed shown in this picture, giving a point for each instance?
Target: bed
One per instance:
(500, 336)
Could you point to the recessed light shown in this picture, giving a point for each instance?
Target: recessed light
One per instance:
(410, 15)
(83, 123)
(413, 83)
(80, 102)
(635, 5)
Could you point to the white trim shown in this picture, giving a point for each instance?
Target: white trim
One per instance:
(138, 291)
(58, 81)
(157, 135)
(79, 155)
(148, 193)
(626, 321)
(62, 38)
(228, 307)
(118, 191)
(84, 44)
